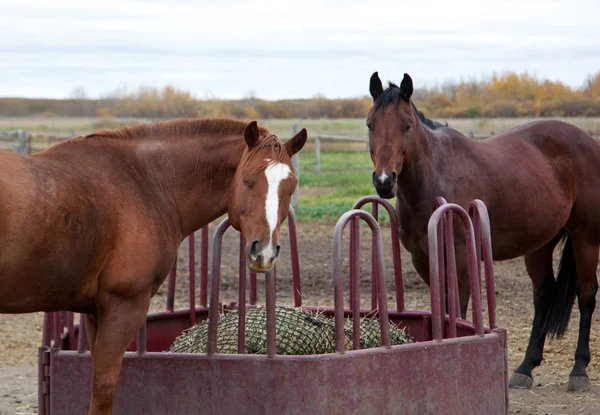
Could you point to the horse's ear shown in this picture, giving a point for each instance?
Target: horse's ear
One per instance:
(406, 88)
(295, 144)
(251, 134)
(375, 86)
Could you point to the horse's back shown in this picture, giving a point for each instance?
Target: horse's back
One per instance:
(544, 132)
(532, 178)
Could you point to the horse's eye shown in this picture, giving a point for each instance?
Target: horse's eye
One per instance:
(248, 182)
(369, 126)
(408, 127)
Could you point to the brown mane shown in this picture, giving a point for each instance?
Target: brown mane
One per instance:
(175, 128)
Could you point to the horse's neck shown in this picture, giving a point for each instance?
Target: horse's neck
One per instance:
(419, 180)
(196, 173)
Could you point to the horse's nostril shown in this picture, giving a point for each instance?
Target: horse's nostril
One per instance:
(277, 249)
(393, 178)
(253, 249)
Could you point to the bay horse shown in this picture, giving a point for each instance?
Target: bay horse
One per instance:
(541, 184)
(92, 225)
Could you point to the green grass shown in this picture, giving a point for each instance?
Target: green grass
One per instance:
(345, 177)
(330, 212)
(332, 160)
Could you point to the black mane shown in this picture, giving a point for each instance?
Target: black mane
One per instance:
(392, 95)
(426, 121)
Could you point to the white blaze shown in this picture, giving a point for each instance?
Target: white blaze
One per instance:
(383, 176)
(275, 174)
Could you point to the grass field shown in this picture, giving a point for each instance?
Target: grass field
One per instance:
(344, 178)
(346, 167)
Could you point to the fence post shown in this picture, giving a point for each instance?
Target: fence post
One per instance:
(318, 153)
(20, 142)
(296, 169)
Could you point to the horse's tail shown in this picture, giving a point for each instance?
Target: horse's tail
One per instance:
(565, 290)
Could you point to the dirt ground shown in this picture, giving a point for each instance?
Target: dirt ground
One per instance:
(21, 334)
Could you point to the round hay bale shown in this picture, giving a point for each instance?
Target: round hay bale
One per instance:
(299, 332)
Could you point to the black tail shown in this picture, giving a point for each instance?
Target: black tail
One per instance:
(565, 291)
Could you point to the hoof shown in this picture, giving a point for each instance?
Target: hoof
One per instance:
(520, 381)
(578, 384)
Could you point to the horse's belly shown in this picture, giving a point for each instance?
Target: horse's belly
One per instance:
(41, 284)
(519, 240)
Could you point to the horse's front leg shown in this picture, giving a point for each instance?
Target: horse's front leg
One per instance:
(91, 328)
(119, 318)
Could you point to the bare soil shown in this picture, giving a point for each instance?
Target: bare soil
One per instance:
(21, 334)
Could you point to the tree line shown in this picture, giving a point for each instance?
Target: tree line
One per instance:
(508, 94)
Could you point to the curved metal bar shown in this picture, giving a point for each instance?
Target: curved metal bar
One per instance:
(434, 271)
(271, 326)
(444, 280)
(374, 288)
(355, 279)
(192, 276)
(204, 267)
(441, 232)
(253, 289)
(213, 310)
(451, 276)
(481, 220)
(242, 297)
(439, 201)
(337, 277)
(294, 257)
(395, 234)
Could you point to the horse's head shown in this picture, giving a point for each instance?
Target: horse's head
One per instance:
(392, 124)
(261, 193)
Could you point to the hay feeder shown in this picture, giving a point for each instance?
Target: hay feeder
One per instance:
(454, 366)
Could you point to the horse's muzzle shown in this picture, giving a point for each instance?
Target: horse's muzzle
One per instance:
(262, 259)
(385, 185)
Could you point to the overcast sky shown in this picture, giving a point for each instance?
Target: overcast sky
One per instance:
(280, 49)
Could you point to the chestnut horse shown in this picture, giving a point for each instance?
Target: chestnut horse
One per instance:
(93, 224)
(541, 184)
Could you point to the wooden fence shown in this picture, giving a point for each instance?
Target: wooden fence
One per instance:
(29, 142)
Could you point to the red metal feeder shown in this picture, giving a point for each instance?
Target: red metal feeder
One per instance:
(456, 366)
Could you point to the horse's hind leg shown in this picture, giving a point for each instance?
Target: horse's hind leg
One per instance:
(119, 319)
(539, 268)
(586, 262)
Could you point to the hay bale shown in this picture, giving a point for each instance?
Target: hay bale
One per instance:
(299, 332)
(370, 334)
